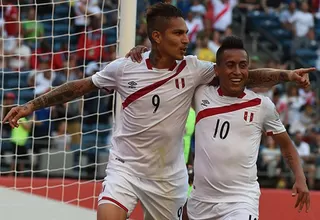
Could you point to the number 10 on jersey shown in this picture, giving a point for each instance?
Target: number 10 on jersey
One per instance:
(222, 130)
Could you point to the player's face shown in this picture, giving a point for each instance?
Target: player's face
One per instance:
(174, 40)
(233, 72)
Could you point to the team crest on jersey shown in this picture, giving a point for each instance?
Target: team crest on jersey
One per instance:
(132, 84)
(248, 116)
(180, 83)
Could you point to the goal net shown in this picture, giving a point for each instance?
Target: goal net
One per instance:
(59, 152)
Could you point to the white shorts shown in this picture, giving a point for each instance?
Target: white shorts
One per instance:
(222, 211)
(160, 199)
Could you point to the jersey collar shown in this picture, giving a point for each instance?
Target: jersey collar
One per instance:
(221, 93)
(149, 65)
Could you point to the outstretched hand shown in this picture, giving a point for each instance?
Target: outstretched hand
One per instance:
(135, 53)
(300, 189)
(301, 76)
(16, 113)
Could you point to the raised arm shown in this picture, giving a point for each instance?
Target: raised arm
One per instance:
(59, 95)
(268, 77)
(292, 158)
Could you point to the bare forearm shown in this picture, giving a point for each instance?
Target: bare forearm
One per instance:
(267, 77)
(292, 158)
(63, 93)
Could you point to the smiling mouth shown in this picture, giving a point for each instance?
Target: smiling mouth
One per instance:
(236, 81)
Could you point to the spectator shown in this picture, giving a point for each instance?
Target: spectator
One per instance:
(203, 52)
(19, 138)
(271, 6)
(198, 9)
(287, 14)
(19, 54)
(194, 25)
(91, 44)
(33, 30)
(249, 5)
(294, 102)
(271, 155)
(61, 140)
(281, 106)
(308, 95)
(42, 79)
(214, 43)
(84, 10)
(44, 54)
(11, 17)
(303, 24)
(223, 14)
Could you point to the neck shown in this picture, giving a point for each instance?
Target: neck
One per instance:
(159, 61)
(226, 92)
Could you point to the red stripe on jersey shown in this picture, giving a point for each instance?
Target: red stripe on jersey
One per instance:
(141, 92)
(182, 81)
(115, 202)
(177, 83)
(225, 109)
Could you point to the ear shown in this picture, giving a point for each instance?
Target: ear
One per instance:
(216, 69)
(156, 36)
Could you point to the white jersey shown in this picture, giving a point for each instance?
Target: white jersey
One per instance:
(147, 141)
(228, 135)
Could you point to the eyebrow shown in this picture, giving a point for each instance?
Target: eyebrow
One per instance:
(180, 30)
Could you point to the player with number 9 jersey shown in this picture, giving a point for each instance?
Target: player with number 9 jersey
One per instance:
(147, 142)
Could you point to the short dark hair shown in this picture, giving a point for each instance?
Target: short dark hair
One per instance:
(158, 15)
(230, 42)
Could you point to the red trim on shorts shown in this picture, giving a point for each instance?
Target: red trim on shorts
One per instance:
(141, 92)
(269, 133)
(225, 109)
(115, 202)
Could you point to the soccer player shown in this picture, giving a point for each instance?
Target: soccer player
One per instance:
(146, 161)
(229, 124)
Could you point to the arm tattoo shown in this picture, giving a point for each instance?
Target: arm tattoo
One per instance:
(63, 93)
(266, 77)
(289, 159)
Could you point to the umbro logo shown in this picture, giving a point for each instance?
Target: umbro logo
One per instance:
(205, 103)
(132, 84)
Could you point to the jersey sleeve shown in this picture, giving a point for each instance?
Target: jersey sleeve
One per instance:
(203, 70)
(108, 78)
(271, 123)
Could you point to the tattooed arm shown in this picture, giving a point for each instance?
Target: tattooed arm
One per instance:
(292, 158)
(289, 153)
(59, 95)
(267, 77)
(63, 94)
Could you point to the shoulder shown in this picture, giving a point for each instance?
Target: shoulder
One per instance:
(194, 62)
(204, 89)
(264, 100)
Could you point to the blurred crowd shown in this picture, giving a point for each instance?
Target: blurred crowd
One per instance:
(26, 47)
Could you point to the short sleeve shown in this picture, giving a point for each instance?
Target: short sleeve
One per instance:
(203, 70)
(271, 123)
(109, 76)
